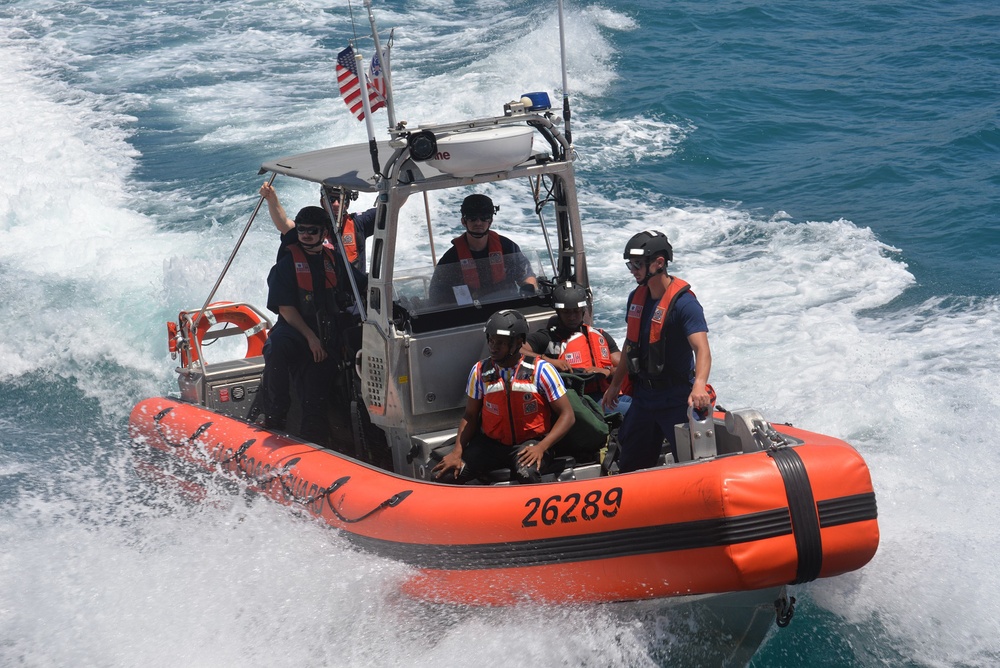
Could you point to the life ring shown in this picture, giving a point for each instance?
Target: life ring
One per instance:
(253, 325)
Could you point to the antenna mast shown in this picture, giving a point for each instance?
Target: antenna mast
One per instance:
(565, 82)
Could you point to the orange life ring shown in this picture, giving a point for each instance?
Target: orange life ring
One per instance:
(253, 326)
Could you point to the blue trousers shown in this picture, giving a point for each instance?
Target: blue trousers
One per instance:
(287, 360)
(649, 420)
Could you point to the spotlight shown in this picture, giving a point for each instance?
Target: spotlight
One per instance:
(423, 145)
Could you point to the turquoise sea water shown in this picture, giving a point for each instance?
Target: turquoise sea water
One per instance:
(829, 174)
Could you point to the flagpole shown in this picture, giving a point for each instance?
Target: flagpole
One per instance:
(384, 60)
(367, 106)
(565, 81)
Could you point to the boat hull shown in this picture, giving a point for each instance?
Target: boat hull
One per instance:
(734, 523)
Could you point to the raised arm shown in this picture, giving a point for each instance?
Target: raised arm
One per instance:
(278, 216)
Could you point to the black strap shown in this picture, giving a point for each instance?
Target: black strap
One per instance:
(802, 510)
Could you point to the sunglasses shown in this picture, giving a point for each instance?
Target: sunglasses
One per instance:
(634, 266)
(310, 231)
(484, 219)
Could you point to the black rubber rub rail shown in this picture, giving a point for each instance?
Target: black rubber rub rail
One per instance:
(611, 544)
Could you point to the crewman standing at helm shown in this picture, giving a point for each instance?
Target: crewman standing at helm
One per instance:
(516, 409)
(666, 354)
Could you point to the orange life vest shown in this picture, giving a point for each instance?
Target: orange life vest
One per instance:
(585, 349)
(470, 272)
(347, 234)
(304, 277)
(516, 412)
(654, 364)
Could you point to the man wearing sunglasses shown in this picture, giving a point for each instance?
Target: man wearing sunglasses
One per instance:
(666, 355)
(480, 262)
(305, 345)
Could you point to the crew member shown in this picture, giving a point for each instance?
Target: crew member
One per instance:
(573, 346)
(666, 354)
(516, 409)
(480, 262)
(355, 230)
(304, 346)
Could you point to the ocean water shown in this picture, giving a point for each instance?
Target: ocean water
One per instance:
(829, 174)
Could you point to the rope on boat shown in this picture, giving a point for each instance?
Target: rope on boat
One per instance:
(276, 473)
(391, 502)
(279, 474)
(157, 421)
(239, 452)
(326, 493)
(309, 500)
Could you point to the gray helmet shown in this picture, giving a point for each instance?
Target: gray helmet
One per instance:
(507, 323)
(647, 245)
(569, 295)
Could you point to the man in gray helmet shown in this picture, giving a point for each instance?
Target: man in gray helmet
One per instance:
(356, 227)
(305, 343)
(480, 263)
(666, 354)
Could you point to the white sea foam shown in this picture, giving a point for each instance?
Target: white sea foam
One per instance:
(809, 323)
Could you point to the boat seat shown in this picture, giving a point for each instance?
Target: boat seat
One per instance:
(426, 450)
(560, 466)
(498, 475)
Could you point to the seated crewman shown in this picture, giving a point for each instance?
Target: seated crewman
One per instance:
(516, 409)
(571, 345)
(480, 261)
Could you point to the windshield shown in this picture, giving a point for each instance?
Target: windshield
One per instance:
(444, 265)
(448, 285)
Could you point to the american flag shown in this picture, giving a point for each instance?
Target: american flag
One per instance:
(350, 86)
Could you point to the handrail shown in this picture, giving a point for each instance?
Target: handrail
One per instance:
(232, 256)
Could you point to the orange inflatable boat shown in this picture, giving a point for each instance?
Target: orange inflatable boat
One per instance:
(788, 514)
(744, 509)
